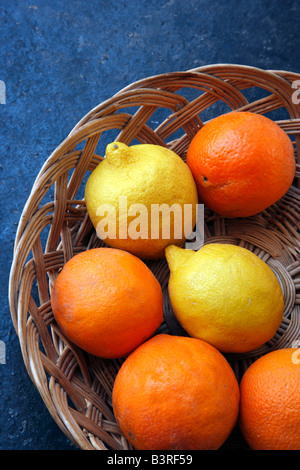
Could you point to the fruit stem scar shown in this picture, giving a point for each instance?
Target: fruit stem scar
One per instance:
(204, 178)
(115, 146)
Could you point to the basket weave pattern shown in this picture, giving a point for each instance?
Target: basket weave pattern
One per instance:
(167, 110)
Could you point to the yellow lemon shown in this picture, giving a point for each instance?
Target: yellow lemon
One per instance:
(141, 198)
(226, 295)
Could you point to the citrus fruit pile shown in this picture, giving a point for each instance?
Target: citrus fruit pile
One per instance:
(180, 392)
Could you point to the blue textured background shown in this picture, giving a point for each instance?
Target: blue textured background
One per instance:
(58, 60)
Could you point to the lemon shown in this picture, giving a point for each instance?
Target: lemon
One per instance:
(141, 198)
(225, 295)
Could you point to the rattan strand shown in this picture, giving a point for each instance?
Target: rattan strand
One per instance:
(167, 109)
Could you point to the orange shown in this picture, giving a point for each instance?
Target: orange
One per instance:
(270, 401)
(176, 393)
(242, 163)
(107, 302)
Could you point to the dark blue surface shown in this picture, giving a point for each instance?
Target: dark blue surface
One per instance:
(58, 60)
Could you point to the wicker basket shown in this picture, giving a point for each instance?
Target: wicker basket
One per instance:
(167, 109)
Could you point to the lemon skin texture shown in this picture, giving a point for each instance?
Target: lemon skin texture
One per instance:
(147, 176)
(225, 295)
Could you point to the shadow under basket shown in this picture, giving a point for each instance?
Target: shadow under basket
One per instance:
(166, 110)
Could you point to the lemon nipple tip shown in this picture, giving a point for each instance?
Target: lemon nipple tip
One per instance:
(176, 256)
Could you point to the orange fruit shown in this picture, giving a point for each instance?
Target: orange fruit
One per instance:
(270, 401)
(107, 302)
(242, 163)
(176, 393)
